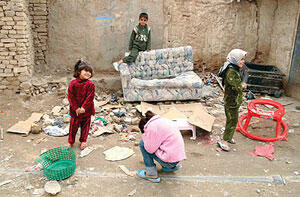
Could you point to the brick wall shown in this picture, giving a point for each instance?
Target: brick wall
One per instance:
(38, 10)
(16, 47)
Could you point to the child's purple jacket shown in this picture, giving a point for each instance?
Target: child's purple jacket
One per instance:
(162, 137)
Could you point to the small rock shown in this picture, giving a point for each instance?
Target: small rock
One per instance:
(38, 192)
(123, 110)
(118, 128)
(127, 120)
(52, 187)
(116, 119)
(29, 187)
(132, 137)
(55, 111)
(65, 101)
(132, 193)
(109, 119)
(36, 129)
(133, 111)
(296, 173)
(135, 121)
(133, 129)
(64, 111)
(258, 191)
(46, 116)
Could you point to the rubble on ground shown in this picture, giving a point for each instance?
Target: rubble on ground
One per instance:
(114, 116)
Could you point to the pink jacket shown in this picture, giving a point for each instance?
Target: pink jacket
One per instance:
(163, 138)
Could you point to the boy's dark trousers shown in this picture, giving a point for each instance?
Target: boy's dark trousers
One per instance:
(132, 56)
(232, 117)
(75, 123)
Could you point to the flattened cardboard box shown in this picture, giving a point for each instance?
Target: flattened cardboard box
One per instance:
(195, 113)
(24, 127)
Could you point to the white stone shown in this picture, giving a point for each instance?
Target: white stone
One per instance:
(56, 110)
(52, 187)
(38, 192)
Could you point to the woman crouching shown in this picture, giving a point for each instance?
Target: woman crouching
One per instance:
(161, 141)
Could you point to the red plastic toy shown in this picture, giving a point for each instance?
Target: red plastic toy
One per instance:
(276, 116)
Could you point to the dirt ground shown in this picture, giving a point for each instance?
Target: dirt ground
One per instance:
(205, 172)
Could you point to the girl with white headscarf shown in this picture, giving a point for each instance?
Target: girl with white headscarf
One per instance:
(233, 95)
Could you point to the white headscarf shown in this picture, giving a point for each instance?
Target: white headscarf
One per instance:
(233, 57)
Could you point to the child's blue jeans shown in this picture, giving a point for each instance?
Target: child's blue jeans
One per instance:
(149, 162)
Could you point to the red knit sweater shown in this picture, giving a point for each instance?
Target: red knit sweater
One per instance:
(81, 93)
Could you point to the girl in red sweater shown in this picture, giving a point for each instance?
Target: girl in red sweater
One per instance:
(81, 93)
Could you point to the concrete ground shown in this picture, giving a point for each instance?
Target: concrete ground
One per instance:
(206, 172)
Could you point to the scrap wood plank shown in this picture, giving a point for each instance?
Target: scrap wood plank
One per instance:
(24, 127)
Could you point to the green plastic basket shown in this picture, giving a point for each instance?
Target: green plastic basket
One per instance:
(59, 163)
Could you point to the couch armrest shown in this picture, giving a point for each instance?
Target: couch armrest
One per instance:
(125, 76)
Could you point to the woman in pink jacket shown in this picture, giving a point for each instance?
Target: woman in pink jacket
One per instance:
(161, 141)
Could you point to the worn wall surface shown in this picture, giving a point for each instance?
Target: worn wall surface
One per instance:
(212, 28)
(97, 30)
(38, 10)
(46, 37)
(283, 35)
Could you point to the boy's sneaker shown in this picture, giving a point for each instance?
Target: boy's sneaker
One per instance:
(116, 66)
(166, 169)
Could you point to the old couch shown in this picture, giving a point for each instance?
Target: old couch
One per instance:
(160, 75)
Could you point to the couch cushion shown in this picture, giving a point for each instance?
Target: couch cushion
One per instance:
(169, 62)
(185, 80)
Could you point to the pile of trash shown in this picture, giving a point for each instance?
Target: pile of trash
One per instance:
(112, 116)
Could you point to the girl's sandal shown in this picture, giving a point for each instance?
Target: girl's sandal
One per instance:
(83, 145)
(223, 146)
(142, 173)
(68, 144)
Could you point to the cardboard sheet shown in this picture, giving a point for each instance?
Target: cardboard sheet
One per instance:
(195, 113)
(24, 127)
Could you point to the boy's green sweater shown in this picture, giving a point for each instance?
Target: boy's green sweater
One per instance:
(140, 38)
